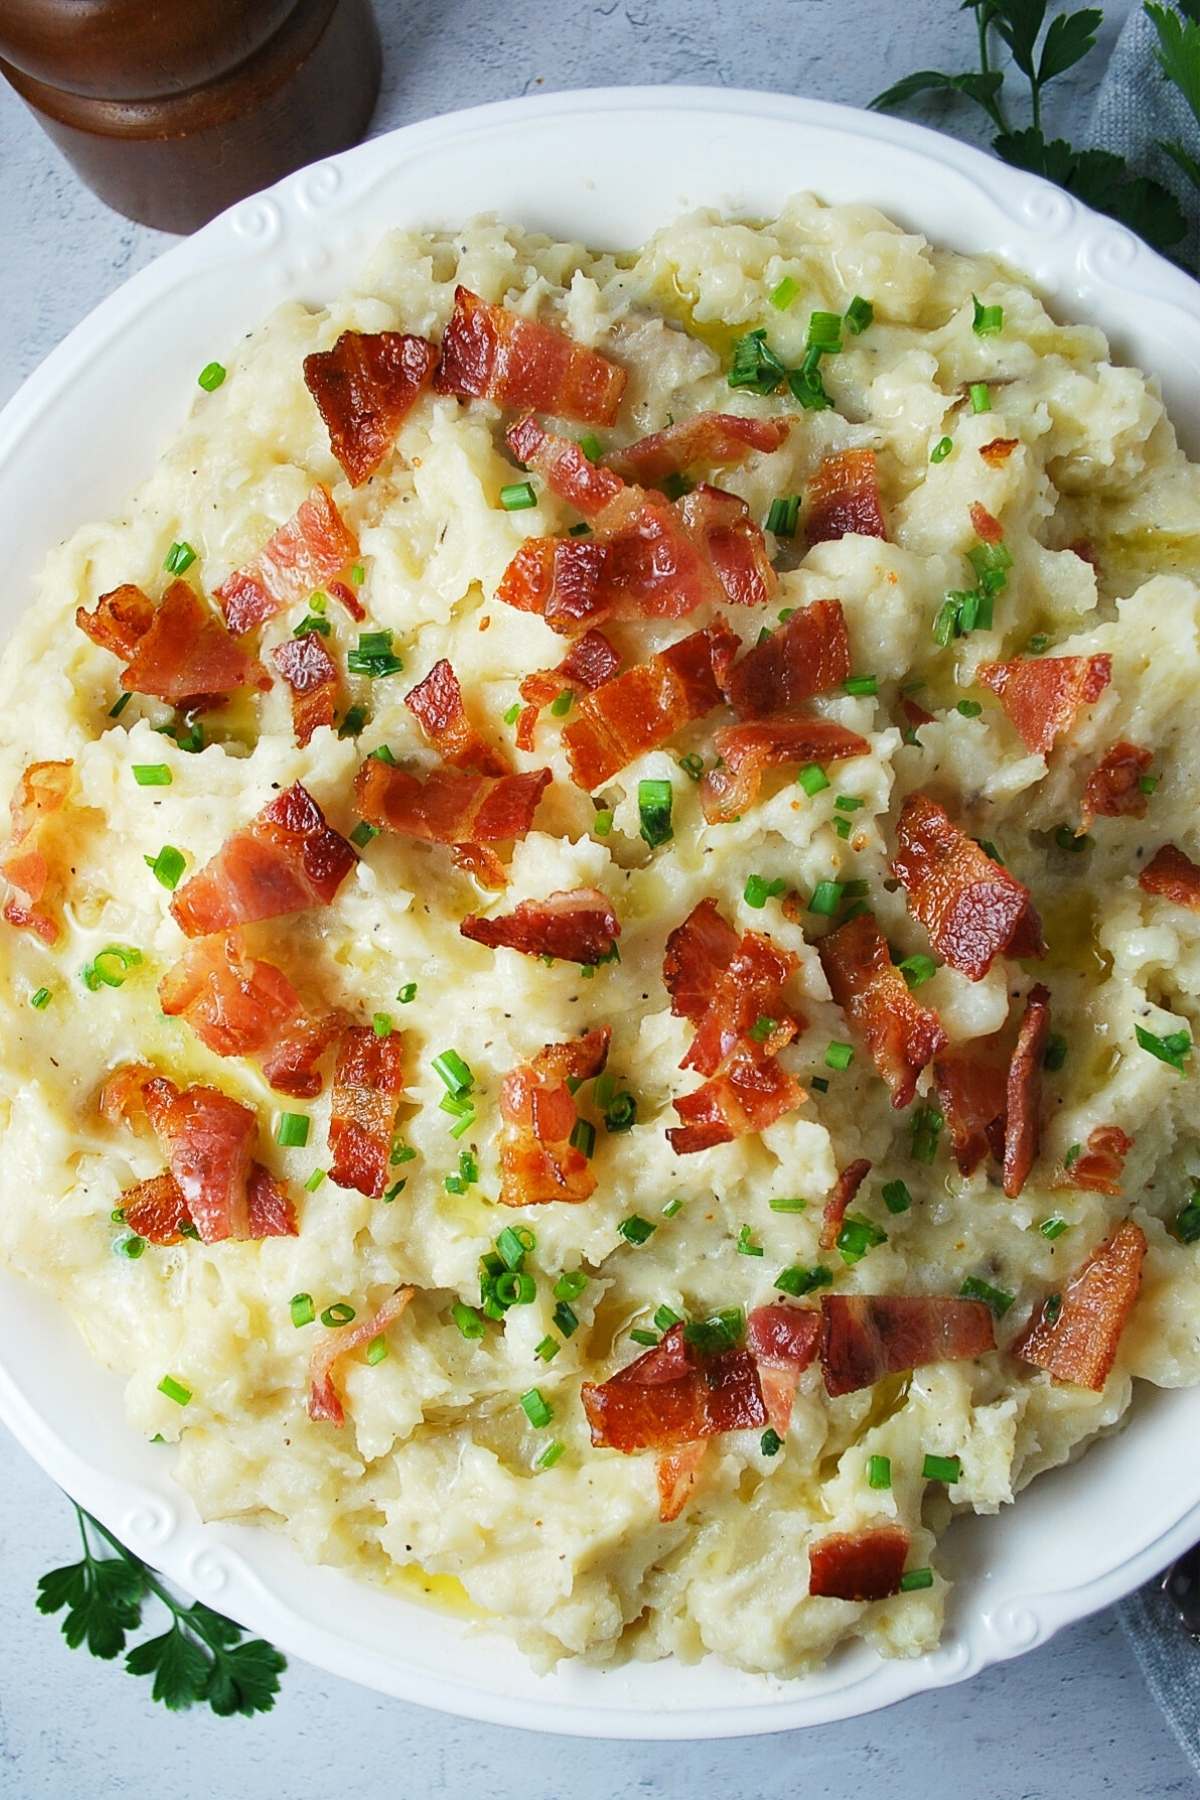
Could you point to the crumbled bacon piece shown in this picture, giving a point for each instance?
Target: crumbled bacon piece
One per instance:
(843, 498)
(122, 1096)
(156, 1209)
(324, 1402)
(271, 1211)
(208, 1139)
(41, 792)
(538, 1162)
(285, 860)
(1074, 1336)
(1173, 875)
(311, 674)
(809, 654)
(749, 1092)
(450, 806)
(748, 990)
(368, 1080)
(1102, 1162)
(987, 528)
(563, 579)
(344, 593)
(731, 543)
(364, 387)
(1113, 789)
(481, 862)
(490, 353)
(576, 926)
(697, 954)
(972, 908)
(590, 662)
(746, 751)
(840, 1200)
(972, 1090)
(179, 651)
(902, 1035)
(867, 1336)
(783, 1341)
(1022, 1127)
(858, 1565)
(240, 1006)
(705, 441)
(997, 452)
(564, 466)
(300, 556)
(646, 705)
(1043, 694)
(673, 1397)
(916, 715)
(437, 705)
(677, 1474)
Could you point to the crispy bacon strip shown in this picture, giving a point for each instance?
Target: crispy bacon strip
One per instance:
(1102, 1163)
(156, 1209)
(41, 792)
(449, 806)
(1022, 1127)
(364, 388)
(646, 705)
(576, 926)
(858, 1565)
(240, 1006)
(783, 1341)
(705, 441)
(867, 1336)
(303, 554)
(840, 1200)
(749, 1093)
(731, 543)
(987, 527)
(208, 1139)
(972, 908)
(437, 705)
(324, 1402)
(843, 498)
(1172, 875)
(368, 1080)
(179, 651)
(678, 1473)
(590, 662)
(538, 1162)
(1112, 790)
(1074, 1336)
(563, 579)
(564, 466)
(808, 655)
(697, 954)
(997, 452)
(311, 674)
(490, 353)
(673, 1397)
(972, 1090)
(746, 752)
(285, 860)
(749, 989)
(902, 1035)
(1042, 694)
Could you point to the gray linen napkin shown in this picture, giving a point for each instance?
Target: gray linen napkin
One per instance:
(1169, 1660)
(1137, 105)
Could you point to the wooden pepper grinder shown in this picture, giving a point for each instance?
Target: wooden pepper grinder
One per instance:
(173, 109)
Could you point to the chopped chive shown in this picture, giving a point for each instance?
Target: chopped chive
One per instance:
(945, 625)
(787, 1203)
(41, 999)
(941, 450)
(363, 833)
(174, 1390)
(879, 1471)
(1053, 1228)
(758, 890)
(167, 866)
(621, 1113)
(1172, 1049)
(1074, 1152)
(825, 332)
(407, 993)
(857, 1236)
(755, 365)
(454, 1184)
(291, 1133)
(464, 1124)
(636, 1230)
(770, 1443)
(152, 774)
(917, 969)
(179, 557)
(812, 778)
(915, 1578)
(692, 765)
(654, 811)
(516, 1288)
(602, 824)
(310, 623)
(981, 399)
(591, 446)
(827, 897)
(570, 1284)
(783, 515)
(352, 724)
(377, 1350)
(974, 1289)
(848, 803)
(357, 574)
(131, 1248)
(1037, 643)
(381, 1024)
(782, 295)
(547, 1349)
(1147, 783)
(819, 1082)
(109, 966)
(394, 1192)
(1055, 1053)
(536, 1408)
(453, 1072)
(118, 706)
(375, 657)
(665, 1317)
(1066, 839)
(566, 1318)
(583, 1136)
(861, 684)
(551, 1454)
(723, 1330)
(1186, 1226)
(561, 706)
(987, 322)
(314, 1181)
(842, 828)
(746, 1245)
(672, 1207)
(1052, 1308)
(518, 496)
(401, 1153)
(513, 713)
(896, 1196)
(762, 1028)
(798, 1282)
(859, 314)
(302, 1310)
(211, 376)
(970, 709)
(468, 1320)
(838, 1056)
(927, 1124)
(942, 1468)
(511, 1247)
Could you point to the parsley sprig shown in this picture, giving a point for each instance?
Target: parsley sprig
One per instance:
(1041, 51)
(200, 1658)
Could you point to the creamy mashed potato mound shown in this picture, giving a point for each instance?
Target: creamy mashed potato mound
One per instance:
(437, 1466)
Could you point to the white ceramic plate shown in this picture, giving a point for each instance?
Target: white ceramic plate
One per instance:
(607, 167)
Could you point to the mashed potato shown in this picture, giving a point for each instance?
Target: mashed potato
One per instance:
(438, 1464)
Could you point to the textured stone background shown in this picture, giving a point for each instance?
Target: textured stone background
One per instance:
(1072, 1720)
